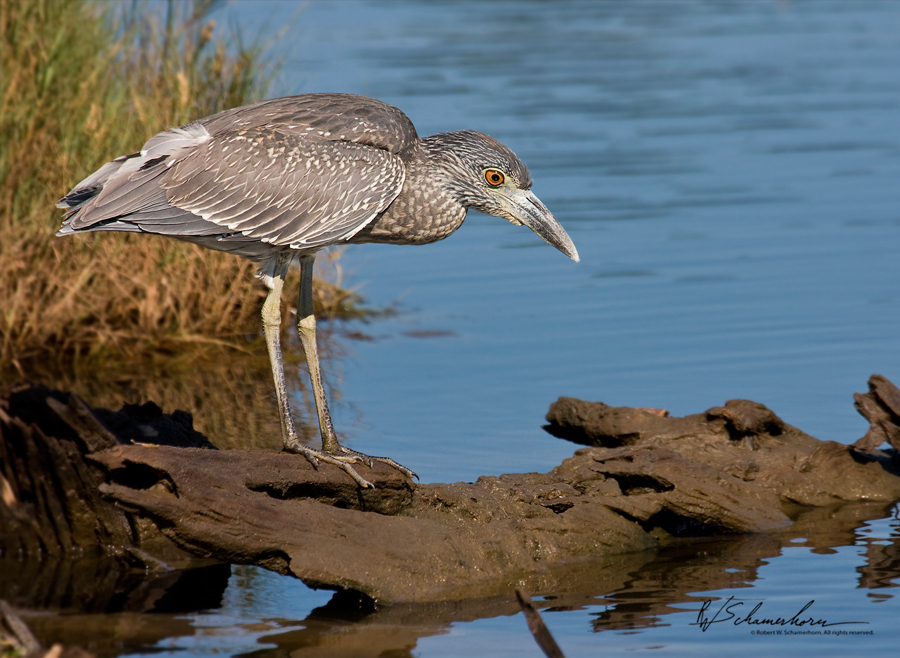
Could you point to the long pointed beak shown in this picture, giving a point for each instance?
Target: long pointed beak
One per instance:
(525, 208)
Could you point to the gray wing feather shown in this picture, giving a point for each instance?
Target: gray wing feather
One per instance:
(336, 117)
(105, 183)
(302, 171)
(283, 189)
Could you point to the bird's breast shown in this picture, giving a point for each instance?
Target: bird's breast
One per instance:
(416, 216)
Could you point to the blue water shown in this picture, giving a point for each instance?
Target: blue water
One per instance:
(729, 173)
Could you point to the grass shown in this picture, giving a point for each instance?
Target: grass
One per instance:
(80, 84)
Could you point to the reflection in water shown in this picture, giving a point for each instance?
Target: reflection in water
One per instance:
(108, 635)
(102, 584)
(229, 393)
(882, 562)
(118, 610)
(627, 593)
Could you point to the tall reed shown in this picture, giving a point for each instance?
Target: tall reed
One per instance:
(81, 83)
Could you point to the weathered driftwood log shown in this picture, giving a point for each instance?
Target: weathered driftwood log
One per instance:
(51, 503)
(638, 590)
(733, 469)
(748, 441)
(881, 407)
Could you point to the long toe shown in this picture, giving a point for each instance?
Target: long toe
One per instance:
(345, 460)
(342, 462)
(368, 459)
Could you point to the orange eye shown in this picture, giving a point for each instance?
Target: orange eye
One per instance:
(494, 177)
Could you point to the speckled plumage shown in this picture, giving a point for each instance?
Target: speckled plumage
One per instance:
(290, 176)
(301, 172)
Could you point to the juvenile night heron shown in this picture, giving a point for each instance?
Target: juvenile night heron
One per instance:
(289, 176)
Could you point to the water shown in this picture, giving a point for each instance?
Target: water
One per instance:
(728, 172)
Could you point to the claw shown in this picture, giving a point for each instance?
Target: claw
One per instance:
(347, 453)
(369, 459)
(344, 461)
(310, 456)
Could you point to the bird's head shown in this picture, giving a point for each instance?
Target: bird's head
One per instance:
(482, 174)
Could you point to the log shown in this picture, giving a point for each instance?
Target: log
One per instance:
(158, 491)
(881, 407)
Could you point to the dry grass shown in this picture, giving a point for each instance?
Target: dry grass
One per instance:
(80, 84)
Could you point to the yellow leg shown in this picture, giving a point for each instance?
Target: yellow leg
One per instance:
(332, 451)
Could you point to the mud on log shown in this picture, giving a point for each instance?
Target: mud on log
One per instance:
(144, 485)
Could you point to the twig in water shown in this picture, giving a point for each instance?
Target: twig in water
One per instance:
(538, 628)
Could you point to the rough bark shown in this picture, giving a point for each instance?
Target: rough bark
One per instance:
(881, 407)
(119, 480)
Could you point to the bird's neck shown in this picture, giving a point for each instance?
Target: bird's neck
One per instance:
(424, 211)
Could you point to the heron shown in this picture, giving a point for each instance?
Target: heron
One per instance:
(286, 177)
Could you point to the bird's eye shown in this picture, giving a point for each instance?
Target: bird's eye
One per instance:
(494, 177)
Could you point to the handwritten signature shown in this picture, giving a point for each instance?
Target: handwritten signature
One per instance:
(730, 611)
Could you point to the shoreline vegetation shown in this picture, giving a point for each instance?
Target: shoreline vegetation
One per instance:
(80, 84)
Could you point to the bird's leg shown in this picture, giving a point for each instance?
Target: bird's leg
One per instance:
(271, 317)
(306, 328)
(307, 331)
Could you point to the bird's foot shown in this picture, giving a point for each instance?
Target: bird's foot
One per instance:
(344, 460)
(347, 453)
